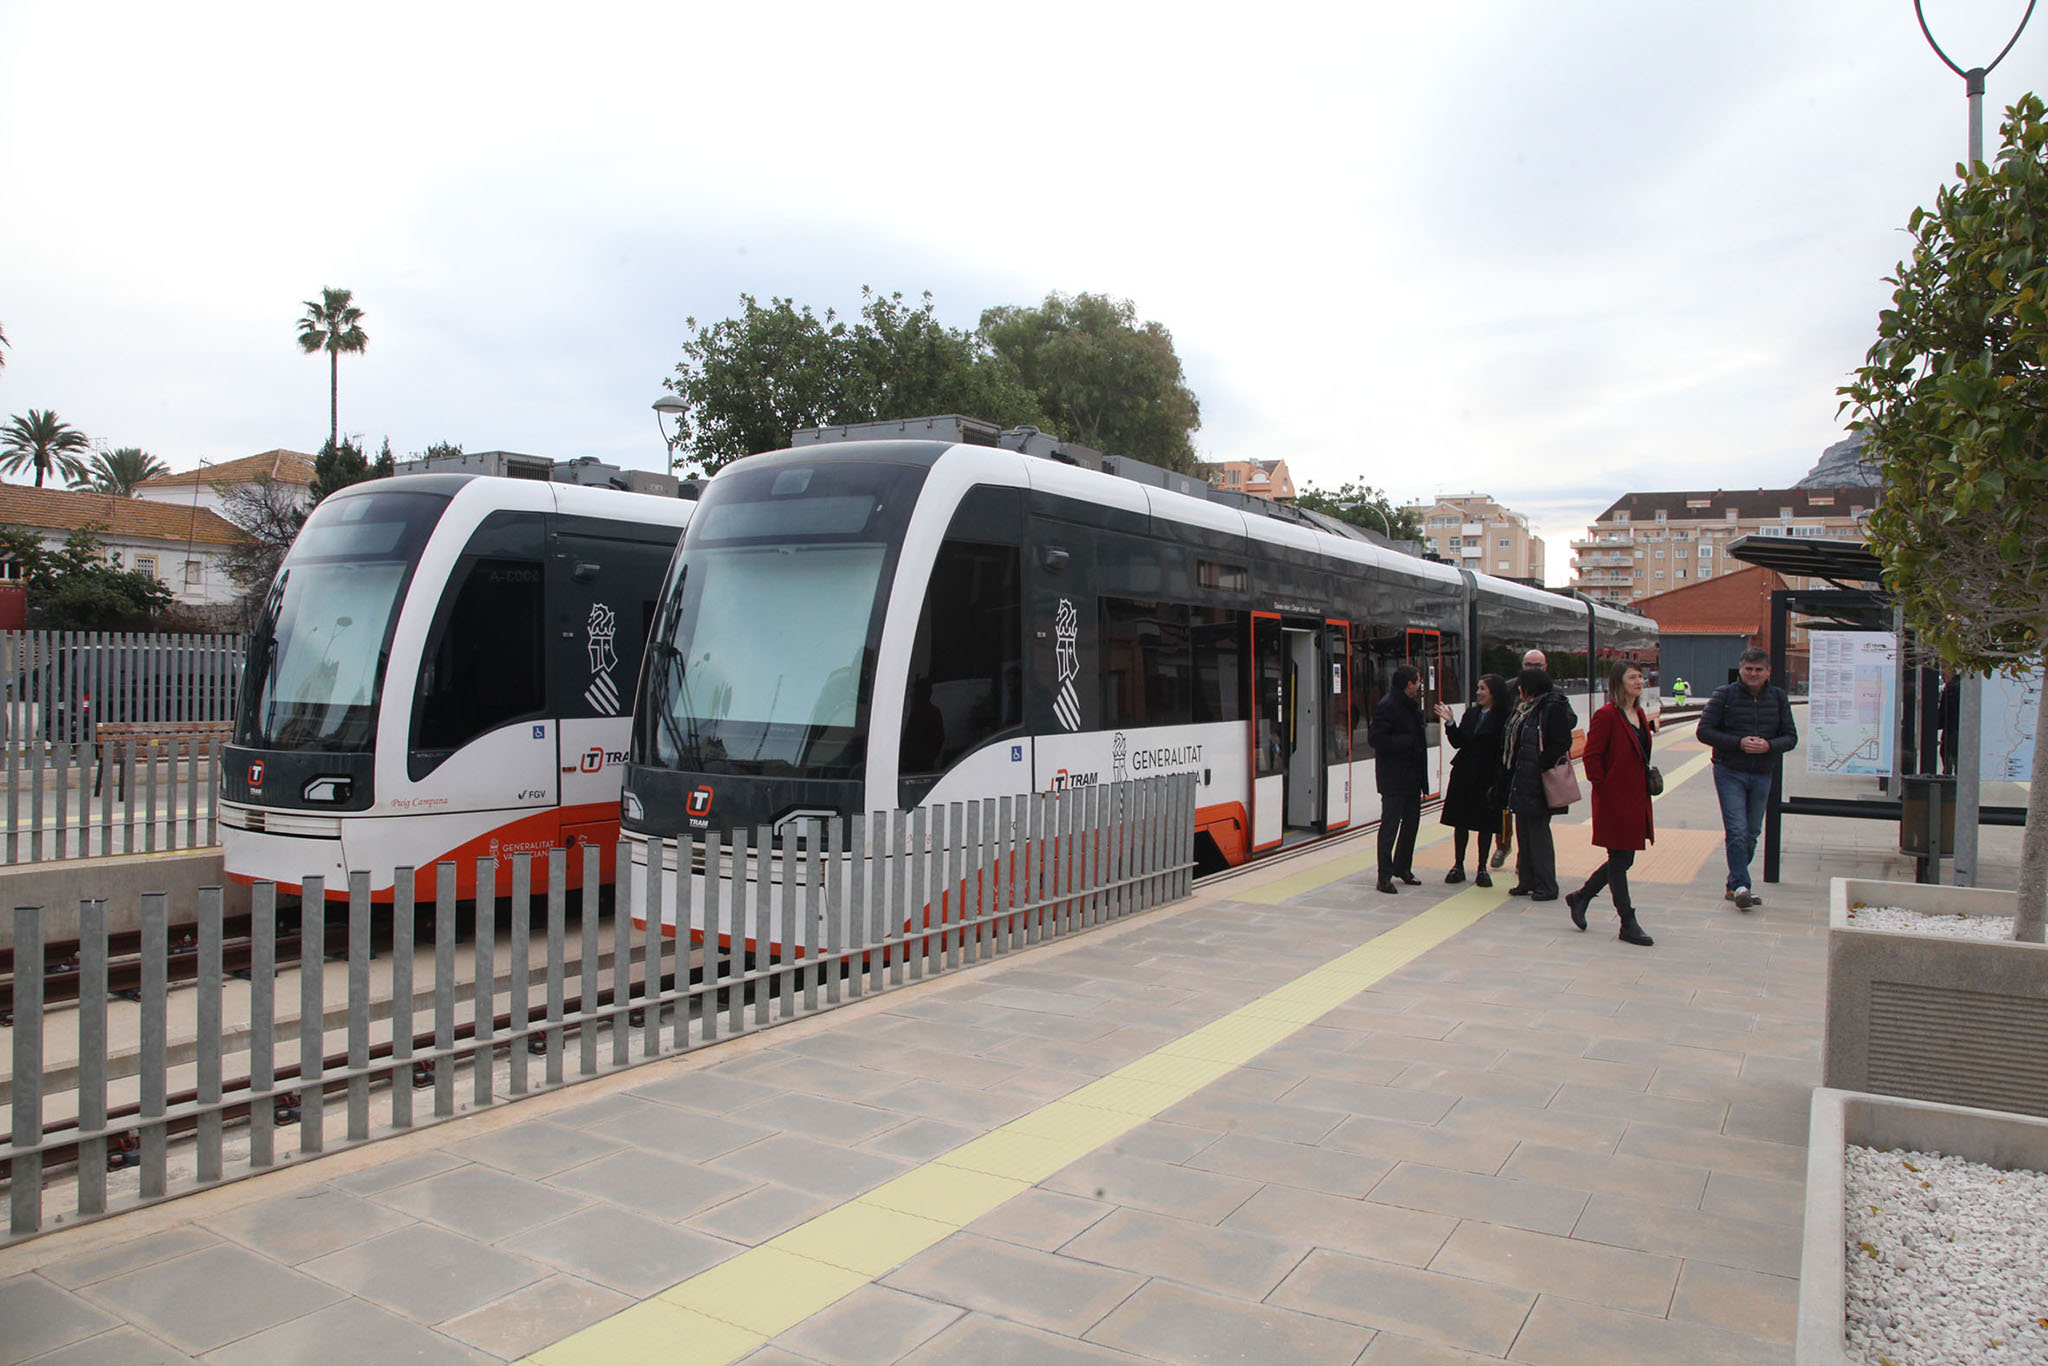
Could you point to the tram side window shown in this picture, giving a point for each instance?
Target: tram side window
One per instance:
(1147, 664)
(486, 663)
(1217, 635)
(967, 663)
(1449, 685)
(1373, 661)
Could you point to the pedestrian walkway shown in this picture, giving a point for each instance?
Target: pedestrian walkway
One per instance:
(1289, 1119)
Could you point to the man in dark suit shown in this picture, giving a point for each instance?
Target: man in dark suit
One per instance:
(1400, 756)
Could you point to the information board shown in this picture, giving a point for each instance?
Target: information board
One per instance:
(2008, 709)
(1851, 686)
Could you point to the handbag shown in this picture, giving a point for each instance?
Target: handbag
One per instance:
(1561, 785)
(1656, 775)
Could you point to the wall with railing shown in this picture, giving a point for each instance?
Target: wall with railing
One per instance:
(115, 1103)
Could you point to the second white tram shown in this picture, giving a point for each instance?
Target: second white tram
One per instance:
(444, 670)
(868, 625)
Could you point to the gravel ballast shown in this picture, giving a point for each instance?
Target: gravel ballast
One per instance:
(1947, 1260)
(1922, 922)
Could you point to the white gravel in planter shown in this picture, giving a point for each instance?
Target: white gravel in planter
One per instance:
(1922, 922)
(1947, 1260)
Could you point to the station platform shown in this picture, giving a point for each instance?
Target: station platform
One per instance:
(1288, 1119)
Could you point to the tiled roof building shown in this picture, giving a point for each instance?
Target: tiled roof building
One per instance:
(178, 544)
(1650, 543)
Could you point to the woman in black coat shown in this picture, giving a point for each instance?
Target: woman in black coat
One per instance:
(1541, 742)
(1475, 772)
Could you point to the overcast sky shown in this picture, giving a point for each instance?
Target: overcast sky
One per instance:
(1550, 252)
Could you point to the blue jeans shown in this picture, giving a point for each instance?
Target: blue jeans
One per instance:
(1743, 799)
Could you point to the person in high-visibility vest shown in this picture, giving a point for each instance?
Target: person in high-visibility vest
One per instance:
(1679, 691)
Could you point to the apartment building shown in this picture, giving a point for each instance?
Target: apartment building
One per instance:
(1478, 533)
(1259, 478)
(1650, 543)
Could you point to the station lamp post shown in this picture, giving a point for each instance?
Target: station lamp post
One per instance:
(670, 404)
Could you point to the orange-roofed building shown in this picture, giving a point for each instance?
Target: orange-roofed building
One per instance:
(1703, 629)
(179, 544)
(203, 487)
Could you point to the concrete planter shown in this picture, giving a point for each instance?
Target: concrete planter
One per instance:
(1840, 1118)
(1960, 1021)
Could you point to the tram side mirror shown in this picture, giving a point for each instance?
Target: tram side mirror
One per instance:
(584, 571)
(1054, 558)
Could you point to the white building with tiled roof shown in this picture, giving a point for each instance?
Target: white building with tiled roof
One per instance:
(180, 544)
(202, 487)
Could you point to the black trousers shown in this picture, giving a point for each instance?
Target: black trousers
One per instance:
(1536, 857)
(1613, 876)
(1400, 819)
(1485, 833)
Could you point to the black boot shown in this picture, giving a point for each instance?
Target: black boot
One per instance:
(1387, 886)
(1632, 933)
(1577, 902)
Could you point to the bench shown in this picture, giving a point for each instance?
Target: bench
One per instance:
(141, 737)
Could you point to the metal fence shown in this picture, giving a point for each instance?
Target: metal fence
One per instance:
(554, 989)
(110, 742)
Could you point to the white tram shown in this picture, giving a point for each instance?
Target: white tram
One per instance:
(444, 670)
(863, 625)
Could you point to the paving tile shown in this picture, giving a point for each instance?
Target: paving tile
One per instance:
(1047, 1291)
(1336, 1171)
(624, 1251)
(1637, 1178)
(817, 1077)
(920, 1139)
(1745, 1302)
(1386, 1233)
(370, 1333)
(808, 1165)
(709, 1088)
(1174, 1323)
(1543, 1263)
(1163, 1141)
(594, 1112)
(822, 1117)
(426, 1273)
(534, 1316)
(1391, 1349)
(180, 1300)
(402, 1171)
(1380, 1102)
(1269, 1119)
(482, 1202)
(873, 1326)
(1467, 1195)
(1565, 1332)
(1620, 1076)
(536, 1148)
(1158, 1186)
(1752, 1157)
(1554, 1128)
(1637, 1105)
(760, 1214)
(122, 1346)
(1439, 1147)
(1465, 1081)
(653, 1184)
(1439, 1052)
(1785, 1120)
(988, 1341)
(40, 1317)
(1744, 1243)
(298, 1228)
(689, 1134)
(1039, 1218)
(122, 1257)
(1659, 1054)
(1750, 1197)
(1228, 1261)
(1418, 1304)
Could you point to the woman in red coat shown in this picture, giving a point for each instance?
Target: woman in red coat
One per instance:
(1618, 767)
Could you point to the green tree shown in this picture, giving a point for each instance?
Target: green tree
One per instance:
(42, 440)
(750, 382)
(335, 468)
(1953, 401)
(1105, 379)
(1362, 505)
(118, 473)
(3, 345)
(442, 450)
(76, 588)
(333, 324)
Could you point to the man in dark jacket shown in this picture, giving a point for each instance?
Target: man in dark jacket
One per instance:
(1748, 724)
(1400, 759)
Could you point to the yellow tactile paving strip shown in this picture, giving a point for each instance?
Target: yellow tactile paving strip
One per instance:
(730, 1310)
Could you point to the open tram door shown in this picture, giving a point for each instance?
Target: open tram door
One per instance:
(1270, 731)
(1425, 650)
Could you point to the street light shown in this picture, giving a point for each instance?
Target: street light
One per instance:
(1973, 79)
(669, 403)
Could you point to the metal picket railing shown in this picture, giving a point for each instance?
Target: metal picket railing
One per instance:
(782, 931)
(110, 741)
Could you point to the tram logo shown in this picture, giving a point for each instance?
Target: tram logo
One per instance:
(593, 760)
(256, 774)
(699, 804)
(600, 631)
(1067, 633)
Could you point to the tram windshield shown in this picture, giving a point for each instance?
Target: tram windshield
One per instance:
(317, 657)
(761, 660)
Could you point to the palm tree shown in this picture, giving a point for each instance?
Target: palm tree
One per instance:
(333, 325)
(120, 472)
(3, 342)
(44, 440)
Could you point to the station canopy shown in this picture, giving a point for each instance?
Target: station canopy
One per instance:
(1845, 564)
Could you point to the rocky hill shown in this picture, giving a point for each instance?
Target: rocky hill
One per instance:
(1841, 467)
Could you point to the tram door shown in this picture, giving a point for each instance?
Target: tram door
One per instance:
(1308, 701)
(1269, 713)
(1336, 666)
(1425, 651)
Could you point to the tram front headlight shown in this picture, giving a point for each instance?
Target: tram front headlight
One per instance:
(629, 805)
(329, 788)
